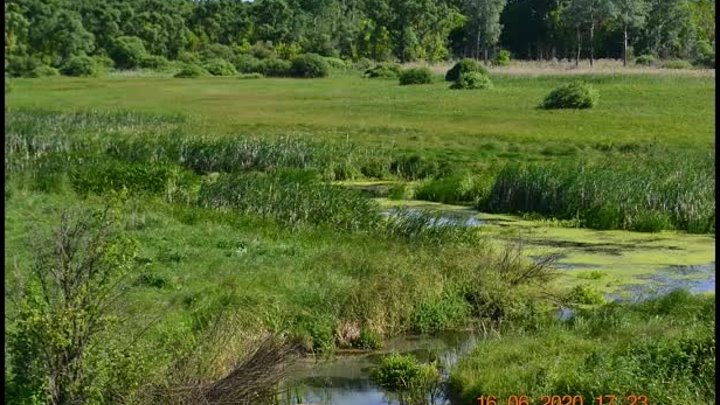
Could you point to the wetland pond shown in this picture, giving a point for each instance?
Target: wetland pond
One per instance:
(625, 266)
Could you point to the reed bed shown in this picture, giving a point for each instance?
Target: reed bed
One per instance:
(289, 201)
(644, 193)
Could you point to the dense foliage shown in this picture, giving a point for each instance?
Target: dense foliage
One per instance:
(472, 81)
(49, 33)
(571, 95)
(416, 76)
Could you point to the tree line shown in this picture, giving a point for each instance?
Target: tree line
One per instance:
(49, 32)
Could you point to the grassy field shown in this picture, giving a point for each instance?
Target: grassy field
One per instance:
(235, 194)
(661, 109)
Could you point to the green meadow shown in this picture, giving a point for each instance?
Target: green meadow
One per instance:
(238, 212)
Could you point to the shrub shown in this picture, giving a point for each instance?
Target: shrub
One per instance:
(127, 52)
(404, 376)
(645, 60)
(154, 62)
(263, 50)
(706, 61)
(503, 58)
(247, 64)
(384, 71)
(104, 61)
(217, 51)
(363, 64)
(335, 63)
(421, 75)
(188, 57)
(472, 81)
(585, 295)
(273, 67)
(44, 70)
(191, 70)
(367, 340)
(309, 66)
(79, 66)
(464, 66)
(21, 65)
(220, 67)
(250, 76)
(571, 95)
(677, 64)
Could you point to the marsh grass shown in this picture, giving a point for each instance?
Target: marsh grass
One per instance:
(662, 348)
(649, 194)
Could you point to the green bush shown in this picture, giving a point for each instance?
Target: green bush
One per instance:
(472, 81)
(572, 95)
(188, 57)
(421, 75)
(585, 295)
(384, 71)
(677, 64)
(263, 50)
(191, 70)
(247, 64)
(405, 377)
(309, 66)
(21, 65)
(128, 52)
(216, 51)
(250, 76)
(220, 67)
(44, 70)
(367, 340)
(335, 63)
(363, 64)
(154, 62)
(464, 66)
(645, 60)
(103, 61)
(274, 67)
(79, 66)
(503, 58)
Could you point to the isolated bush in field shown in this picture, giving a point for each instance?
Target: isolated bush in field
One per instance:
(420, 75)
(154, 62)
(273, 67)
(309, 66)
(677, 64)
(465, 65)
(335, 63)
(503, 58)
(386, 70)
(472, 81)
(190, 71)
(247, 64)
(44, 70)
(572, 95)
(250, 76)
(645, 60)
(79, 66)
(220, 67)
(127, 52)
